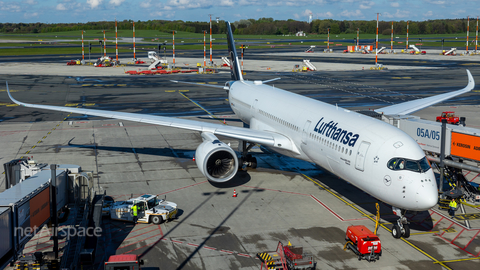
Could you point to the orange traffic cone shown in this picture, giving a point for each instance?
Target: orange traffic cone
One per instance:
(193, 158)
(234, 193)
(224, 122)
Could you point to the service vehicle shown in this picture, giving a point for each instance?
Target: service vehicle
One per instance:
(150, 209)
(287, 257)
(450, 117)
(123, 262)
(364, 243)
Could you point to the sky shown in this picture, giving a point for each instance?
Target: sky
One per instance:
(81, 11)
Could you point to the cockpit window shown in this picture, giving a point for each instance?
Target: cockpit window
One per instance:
(398, 164)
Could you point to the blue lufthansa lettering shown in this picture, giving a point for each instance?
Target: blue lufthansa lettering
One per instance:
(429, 134)
(333, 131)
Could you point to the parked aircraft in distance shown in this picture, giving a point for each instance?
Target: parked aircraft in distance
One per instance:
(375, 156)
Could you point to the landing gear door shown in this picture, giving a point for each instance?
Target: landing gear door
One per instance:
(361, 154)
(306, 128)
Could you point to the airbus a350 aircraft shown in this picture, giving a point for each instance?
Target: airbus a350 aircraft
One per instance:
(374, 156)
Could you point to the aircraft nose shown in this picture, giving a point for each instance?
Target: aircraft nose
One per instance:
(427, 196)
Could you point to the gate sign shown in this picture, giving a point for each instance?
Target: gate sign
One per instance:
(467, 146)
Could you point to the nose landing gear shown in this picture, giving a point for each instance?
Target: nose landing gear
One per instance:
(401, 228)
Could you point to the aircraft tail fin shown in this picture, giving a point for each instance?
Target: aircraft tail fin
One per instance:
(235, 70)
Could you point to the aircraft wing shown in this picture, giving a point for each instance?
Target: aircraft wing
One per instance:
(266, 138)
(418, 104)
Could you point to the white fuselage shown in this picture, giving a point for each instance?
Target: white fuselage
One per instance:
(353, 146)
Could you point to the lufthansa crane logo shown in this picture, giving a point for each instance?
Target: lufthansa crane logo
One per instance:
(387, 180)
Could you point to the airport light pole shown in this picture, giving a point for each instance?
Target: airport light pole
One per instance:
(116, 42)
(134, 58)
(468, 30)
(211, 60)
(173, 49)
(104, 44)
(376, 43)
(476, 37)
(358, 38)
(204, 52)
(407, 37)
(328, 39)
(83, 56)
(391, 42)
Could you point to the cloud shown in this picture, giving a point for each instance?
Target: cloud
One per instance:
(146, 4)
(366, 4)
(428, 14)
(327, 14)
(296, 16)
(306, 13)
(395, 4)
(259, 10)
(94, 3)
(31, 2)
(30, 15)
(436, 2)
(116, 2)
(459, 12)
(61, 7)
(351, 14)
(10, 7)
(399, 14)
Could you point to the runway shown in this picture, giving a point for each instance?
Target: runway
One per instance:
(282, 200)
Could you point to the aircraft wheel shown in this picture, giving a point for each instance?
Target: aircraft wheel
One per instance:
(407, 231)
(253, 162)
(156, 219)
(396, 232)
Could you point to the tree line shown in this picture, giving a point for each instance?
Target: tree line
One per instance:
(262, 26)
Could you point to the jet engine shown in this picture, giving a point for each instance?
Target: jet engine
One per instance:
(215, 159)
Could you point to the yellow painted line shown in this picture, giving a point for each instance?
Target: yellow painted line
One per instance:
(71, 104)
(89, 104)
(39, 142)
(27, 152)
(372, 219)
(11, 91)
(476, 91)
(12, 105)
(3, 173)
(460, 260)
(20, 157)
(58, 125)
(406, 77)
(49, 132)
(109, 84)
(169, 91)
(34, 146)
(212, 82)
(121, 84)
(44, 137)
(183, 90)
(89, 84)
(54, 128)
(200, 83)
(98, 85)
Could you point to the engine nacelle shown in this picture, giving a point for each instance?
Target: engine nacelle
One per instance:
(215, 159)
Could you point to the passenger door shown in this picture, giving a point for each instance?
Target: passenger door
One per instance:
(361, 154)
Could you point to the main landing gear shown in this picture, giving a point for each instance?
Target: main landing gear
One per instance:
(400, 228)
(246, 159)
